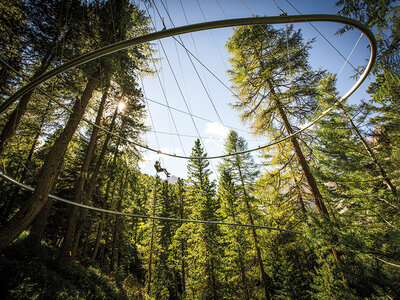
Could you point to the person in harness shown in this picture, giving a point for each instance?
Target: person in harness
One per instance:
(158, 168)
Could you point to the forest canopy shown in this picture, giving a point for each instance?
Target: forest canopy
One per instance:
(314, 216)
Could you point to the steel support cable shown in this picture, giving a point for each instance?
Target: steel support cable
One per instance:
(170, 112)
(177, 83)
(151, 118)
(220, 7)
(195, 116)
(207, 69)
(106, 130)
(212, 35)
(199, 61)
(186, 135)
(320, 33)
(193, 136)
(206, 26)
(180, 90)
(348, 57)
(245, 4)
(108, 211)
(278, 7)
(194, 67)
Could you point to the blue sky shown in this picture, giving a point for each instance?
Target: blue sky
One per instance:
(202, 92)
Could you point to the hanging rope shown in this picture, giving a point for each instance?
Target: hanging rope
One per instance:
(27, 187)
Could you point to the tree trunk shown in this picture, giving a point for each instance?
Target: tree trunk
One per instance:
(151, 243)
(36, 233)
(181, 207)
(12, 123)
(264, 276)
(214, 287)
(7, 210)
(12, 229)
(386, 179)
(97, 242)
(115, 239)
(312, 184)
(66, 253)
(89, 186)
(92, 180)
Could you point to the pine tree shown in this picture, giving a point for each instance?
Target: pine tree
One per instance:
(204, 248)
(237, 259)
(244, 173)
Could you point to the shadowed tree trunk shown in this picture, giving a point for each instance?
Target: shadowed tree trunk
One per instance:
(312, 184)
(264, 277)
(98, 237)
(66, 253)
(385, 178)
(14, 119)
(115, 238)
(48, 174)
(7, 210)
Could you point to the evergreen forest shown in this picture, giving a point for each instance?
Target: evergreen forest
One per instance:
(315, 216)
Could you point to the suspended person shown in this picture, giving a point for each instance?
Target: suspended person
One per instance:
(159, 169)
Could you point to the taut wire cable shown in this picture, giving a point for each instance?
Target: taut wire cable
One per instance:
(27, 187)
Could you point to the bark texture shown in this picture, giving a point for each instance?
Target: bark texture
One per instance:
(48, 174)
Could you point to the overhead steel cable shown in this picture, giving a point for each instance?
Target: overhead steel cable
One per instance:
(151, 117)
(195, 136)
(197, 59)
(178, 85)
(350, 54)
(223, 12)
(320, 33)
(194, 116)
(212, 35)
(114, 212)
(194, 67)
(278, 7)
(205, 67)
(172, 117)
(183, 97)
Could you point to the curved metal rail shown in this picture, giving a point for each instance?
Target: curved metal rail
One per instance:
(205, 26)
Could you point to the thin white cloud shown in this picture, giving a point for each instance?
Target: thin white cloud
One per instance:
(216, 129)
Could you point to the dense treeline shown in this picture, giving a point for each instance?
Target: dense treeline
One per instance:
(337, 184)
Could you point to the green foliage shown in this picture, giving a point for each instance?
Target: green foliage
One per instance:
(29, 277)
(270, 70)
(141, 258)
(383, 17)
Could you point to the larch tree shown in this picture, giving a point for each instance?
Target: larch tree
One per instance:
(275, 84)
(276, 88)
